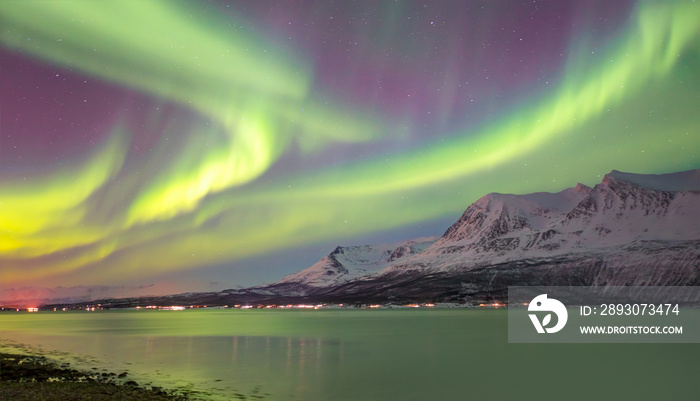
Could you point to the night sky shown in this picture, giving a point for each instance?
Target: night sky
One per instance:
(239, 141)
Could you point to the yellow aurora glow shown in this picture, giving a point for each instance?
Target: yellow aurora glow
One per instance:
(208, 205)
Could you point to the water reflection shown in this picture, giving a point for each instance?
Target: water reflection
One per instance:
(219, 366)
(350, 355)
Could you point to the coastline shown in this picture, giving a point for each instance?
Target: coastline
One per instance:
(33, 377)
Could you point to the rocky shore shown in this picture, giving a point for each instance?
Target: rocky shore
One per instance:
(32, 377)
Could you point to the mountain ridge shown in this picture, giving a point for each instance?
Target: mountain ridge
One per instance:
(629, 229)
(610, 220)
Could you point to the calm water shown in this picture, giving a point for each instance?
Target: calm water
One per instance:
(382, 355)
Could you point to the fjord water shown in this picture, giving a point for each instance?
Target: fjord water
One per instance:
(349, 354)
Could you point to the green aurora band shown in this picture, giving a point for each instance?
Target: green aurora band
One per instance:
(101, 220)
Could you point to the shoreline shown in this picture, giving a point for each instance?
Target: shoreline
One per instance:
(32, 377)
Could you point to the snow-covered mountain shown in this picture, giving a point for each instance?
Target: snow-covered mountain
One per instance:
(350, 262)
(631, 229)
(623, 209)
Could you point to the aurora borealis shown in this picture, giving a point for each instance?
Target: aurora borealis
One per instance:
(144, 140)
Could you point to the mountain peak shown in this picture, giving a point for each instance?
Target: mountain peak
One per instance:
(673, 182)
(345, 263)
